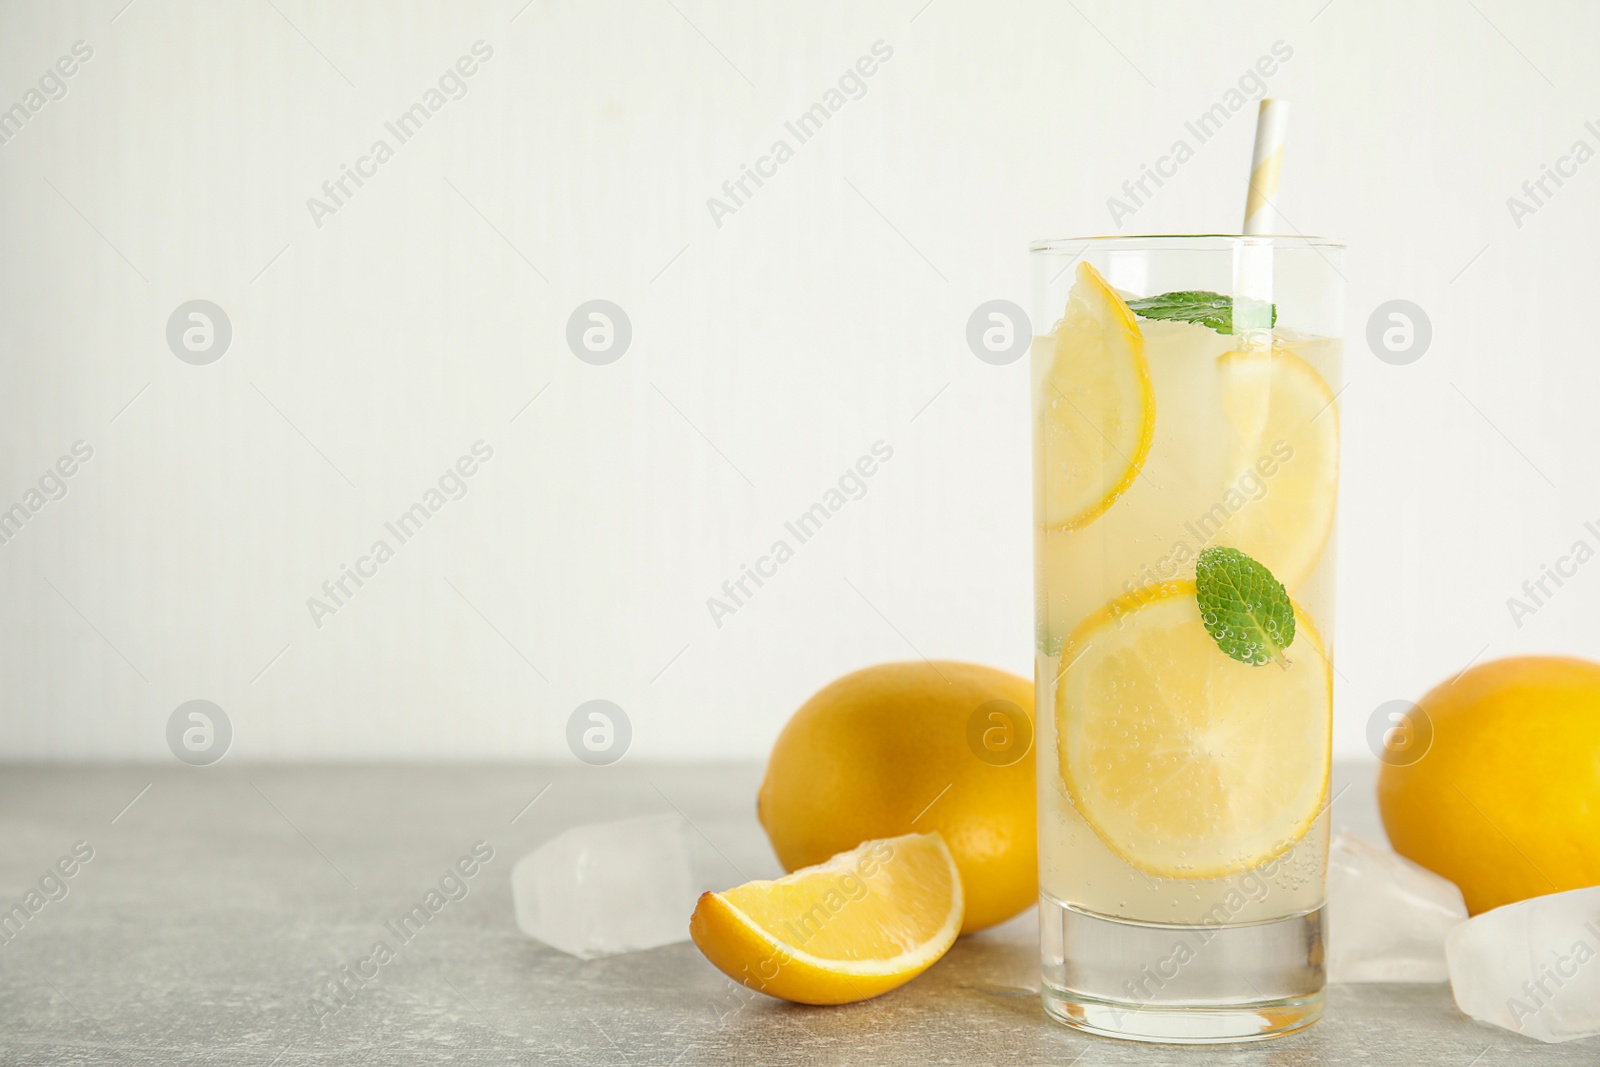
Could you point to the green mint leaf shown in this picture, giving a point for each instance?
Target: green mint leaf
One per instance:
(1245, 609)
(1211, 310)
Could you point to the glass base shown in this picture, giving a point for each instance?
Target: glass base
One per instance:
(1180, 984)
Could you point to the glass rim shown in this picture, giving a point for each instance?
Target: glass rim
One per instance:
(1183, 241)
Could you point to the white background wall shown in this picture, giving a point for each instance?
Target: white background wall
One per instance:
(768, 353)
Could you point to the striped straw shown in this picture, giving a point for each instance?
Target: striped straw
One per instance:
(1265, 165)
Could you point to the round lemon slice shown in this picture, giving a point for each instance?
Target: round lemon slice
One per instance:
(1097, 407)
(860, 924)
(1189, 764)
(1286, 429)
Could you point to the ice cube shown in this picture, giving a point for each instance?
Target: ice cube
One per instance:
(1387, 917)
(1531, 966)
(605, 888)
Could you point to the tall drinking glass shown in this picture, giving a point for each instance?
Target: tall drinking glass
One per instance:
(1186, 472)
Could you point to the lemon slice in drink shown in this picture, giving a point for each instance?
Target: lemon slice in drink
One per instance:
(1189, 764)
(858, 925)
(1286, 428)
(1098, 409)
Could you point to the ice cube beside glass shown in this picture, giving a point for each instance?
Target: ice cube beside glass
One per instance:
(1532, 966)
(605, 888)
(1387, 917)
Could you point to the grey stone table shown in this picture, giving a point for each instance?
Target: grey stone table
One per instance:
(219, 902)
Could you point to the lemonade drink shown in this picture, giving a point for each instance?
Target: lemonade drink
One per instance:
(1186, 461)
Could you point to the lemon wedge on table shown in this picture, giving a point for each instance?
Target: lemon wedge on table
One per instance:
(1098, 409)
(862, 923)
(1285, 422)
(1185, 762)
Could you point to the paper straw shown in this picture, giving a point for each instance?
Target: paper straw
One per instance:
(1272, 121)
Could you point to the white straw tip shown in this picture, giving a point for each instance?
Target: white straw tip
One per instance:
(1272, 123)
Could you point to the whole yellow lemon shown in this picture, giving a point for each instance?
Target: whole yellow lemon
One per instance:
(1503, 798)
(911, 748)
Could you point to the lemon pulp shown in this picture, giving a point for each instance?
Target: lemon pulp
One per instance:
(1186, 763)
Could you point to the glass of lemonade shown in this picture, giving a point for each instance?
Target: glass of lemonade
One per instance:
(1186, 472)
